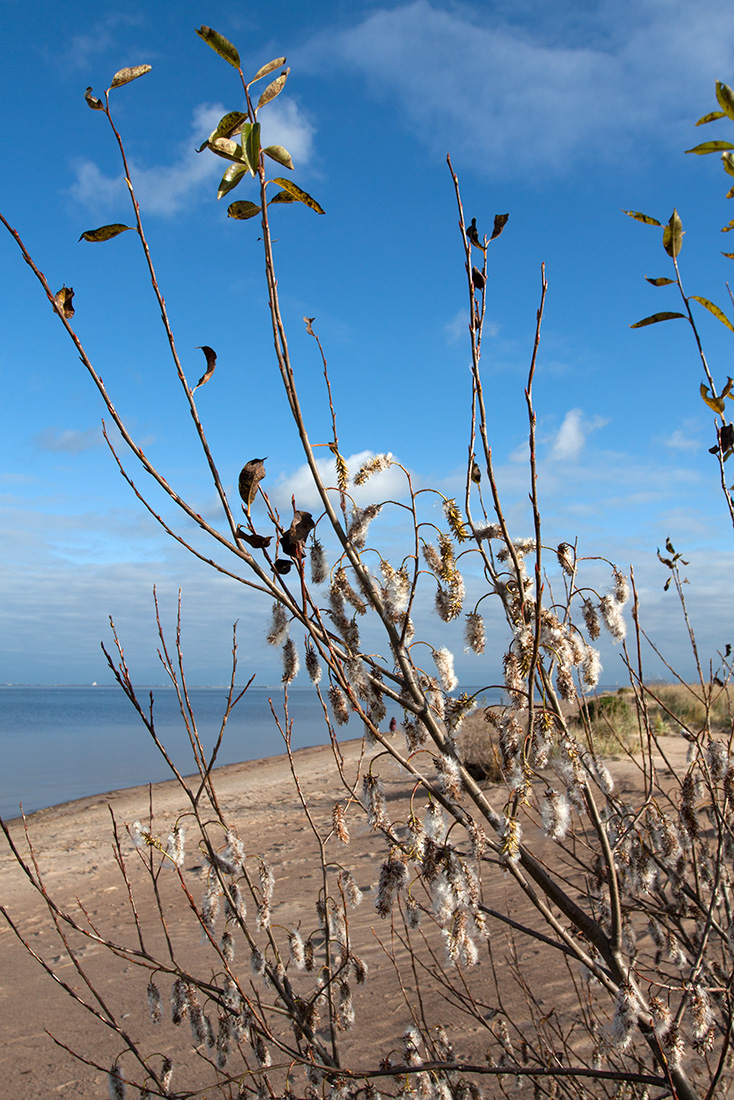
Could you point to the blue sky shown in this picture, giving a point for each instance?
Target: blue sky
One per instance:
(559, 113)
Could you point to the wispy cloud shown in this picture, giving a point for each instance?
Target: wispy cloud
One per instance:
(680, 440)
(68, 440)
(101, 38)
(525, 99)
(457, 328)
(166, 189)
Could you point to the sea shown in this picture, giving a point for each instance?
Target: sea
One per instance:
(68, 742)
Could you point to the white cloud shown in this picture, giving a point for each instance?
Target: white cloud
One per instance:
(390, 484)
(526, 95)
(571, 436)
(285, 123)
(165, 189)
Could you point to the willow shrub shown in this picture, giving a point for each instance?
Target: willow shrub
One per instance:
(625, 894)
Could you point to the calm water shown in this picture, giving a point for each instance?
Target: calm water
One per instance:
(61, 743)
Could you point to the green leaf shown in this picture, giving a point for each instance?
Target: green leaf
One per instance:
(251, 145)
(655, 318)
(92, 101)
(220, 45)
(641, 217)
(718, 404)
(718, 313)
(711, 147)
(231, 178)
(659, 282)
(673, 235)
(243, 210)
(727, 160)
(282, 196)
(710, 117)
(273, 89)
(278, 153)
(297, 193)
(104, 233)
(266, 70)
(725, 97)
(246, 128)
(124, 76)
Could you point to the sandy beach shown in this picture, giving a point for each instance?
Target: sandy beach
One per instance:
(74, 848)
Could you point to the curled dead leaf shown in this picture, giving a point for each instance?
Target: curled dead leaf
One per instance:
(63, 300)
(211, 362)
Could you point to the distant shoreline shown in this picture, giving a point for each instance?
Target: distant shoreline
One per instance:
(223, 773)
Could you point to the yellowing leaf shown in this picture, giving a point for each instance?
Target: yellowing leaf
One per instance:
(714, 309)
(266, 70)
(641, 217)
(231, 124)
(243, 210)
(297, 193)
(662, 281)
(124, 76)
(220, 45)
(225, 147)
(655, 318)
(273, 89)
(710, 117)
(282, 196)
(716, 403)
(725, 98)
(673, 235)
(279, 154)
(727, 160)
(104, 233)
(711, 147)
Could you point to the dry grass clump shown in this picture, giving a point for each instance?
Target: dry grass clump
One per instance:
(682, 707)
(478, 748)
(609, 723)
